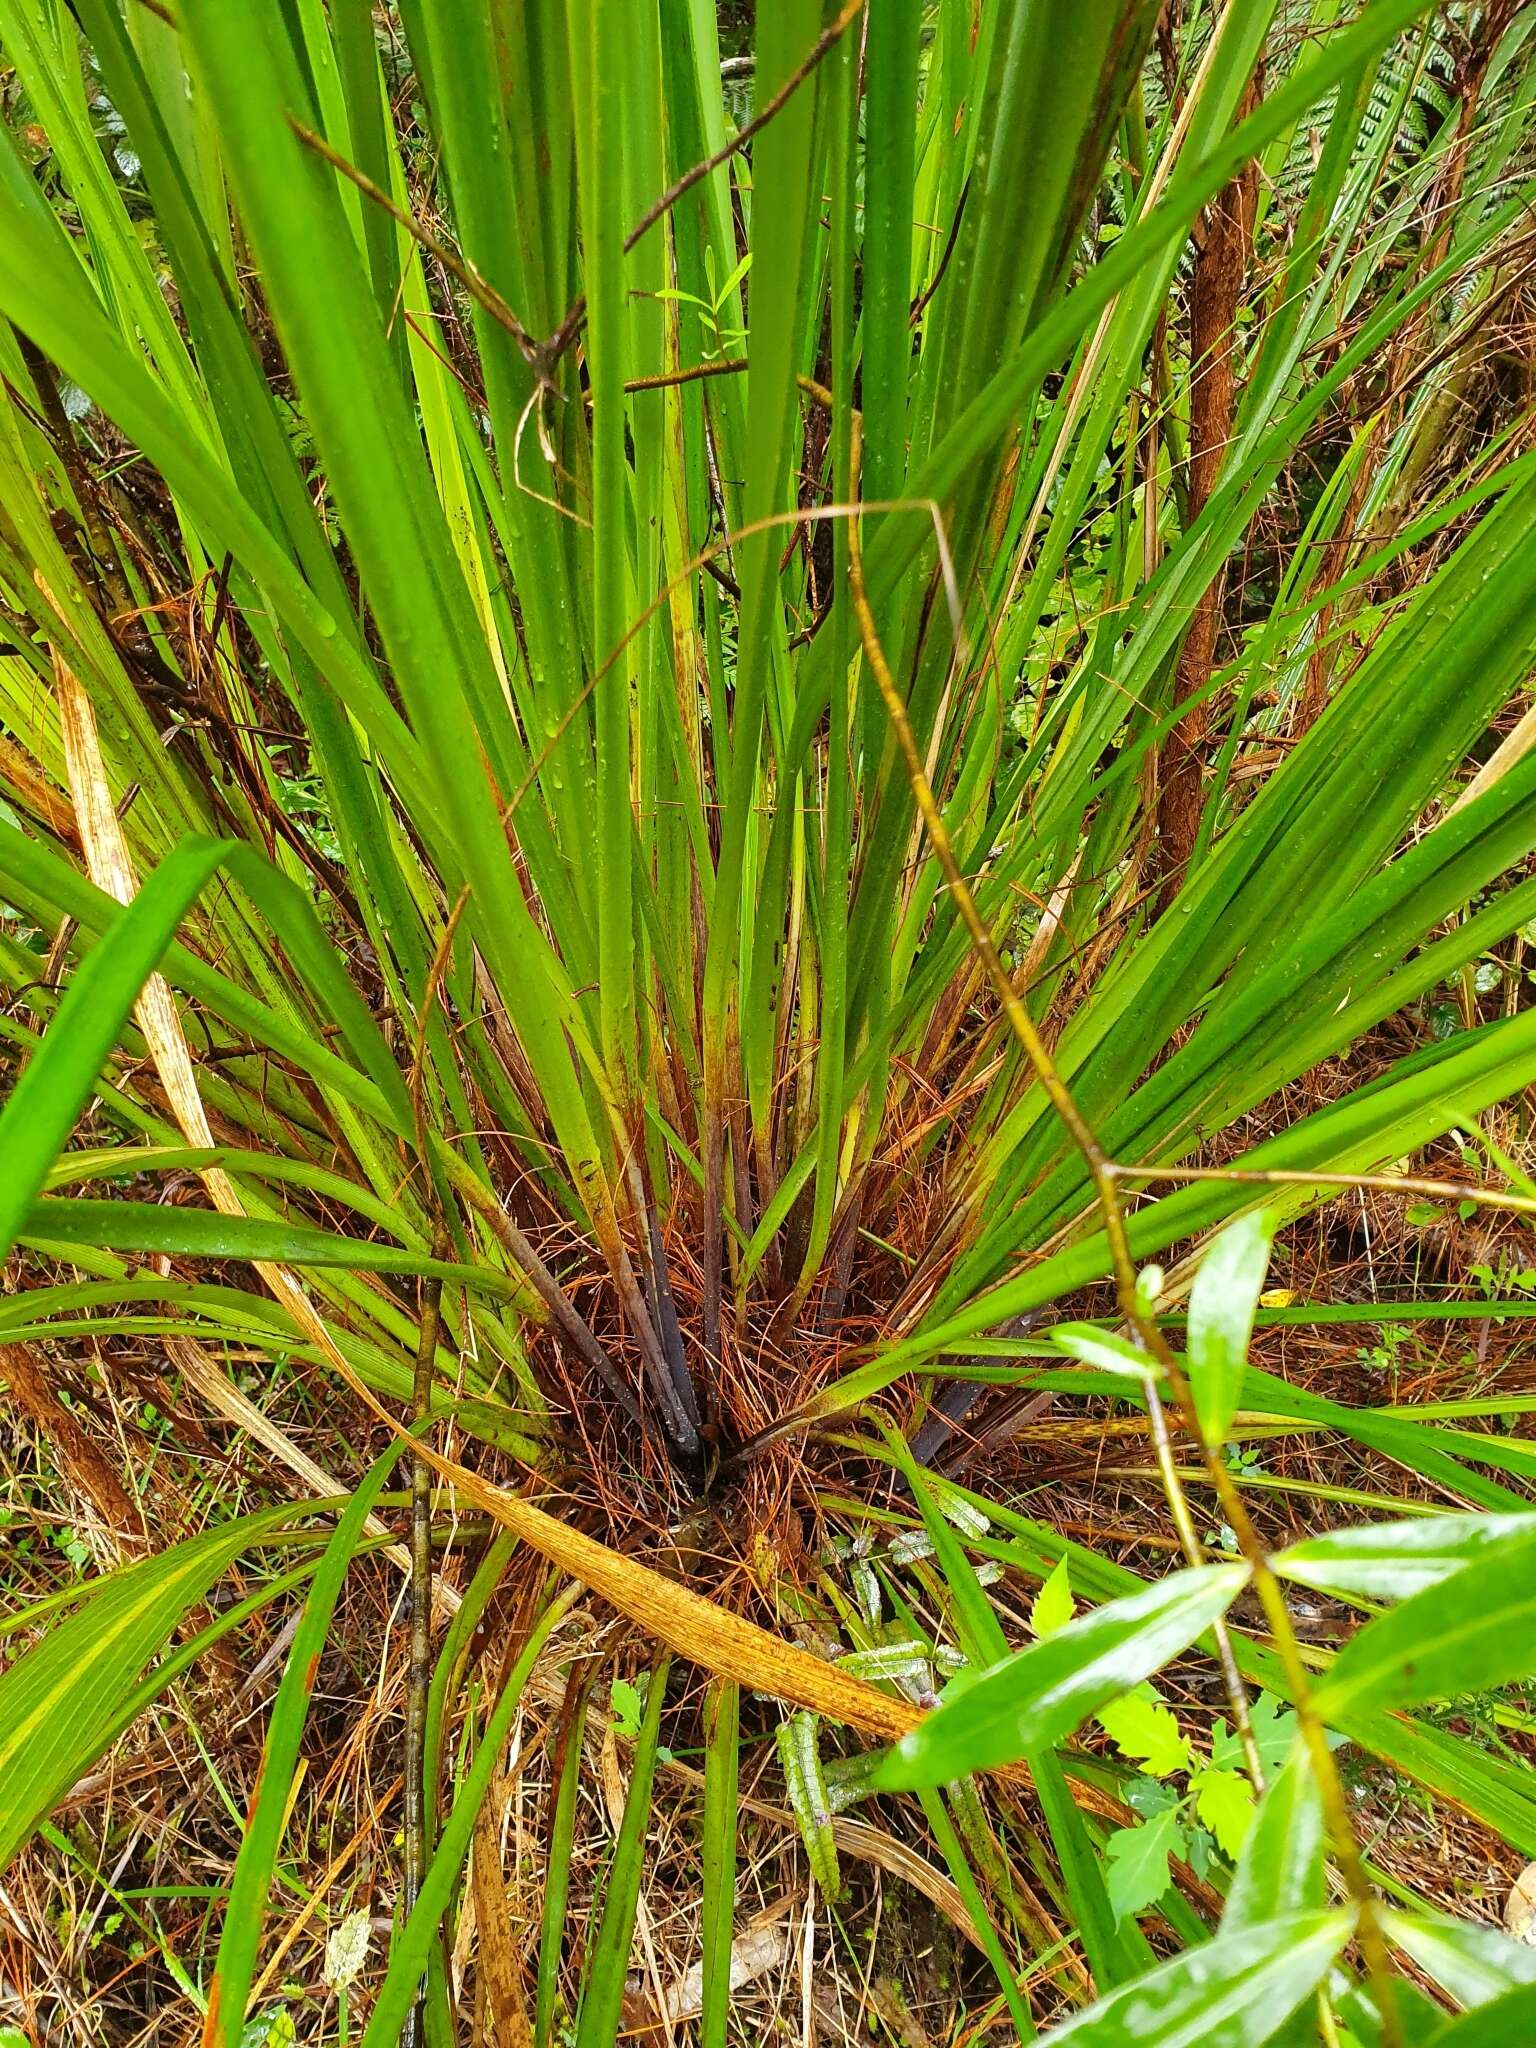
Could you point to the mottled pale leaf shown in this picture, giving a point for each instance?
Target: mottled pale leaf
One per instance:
(346, 1949)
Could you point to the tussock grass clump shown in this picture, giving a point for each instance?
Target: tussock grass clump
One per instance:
(719, 776)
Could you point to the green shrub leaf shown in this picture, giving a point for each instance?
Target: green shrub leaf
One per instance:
(1222, 1306)
(1233, 1992)
(1138, 1862)
(65, 1700)
(1392, 1560)
(1442, 1643)
(1042, 1693)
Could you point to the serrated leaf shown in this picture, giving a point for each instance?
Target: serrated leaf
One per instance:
(1138, 1862)
(1232, 1992)
(1222, 1303)
(626, 1705)
(1053, 1606)
(1033, 1699)
(1150, 1796)
(272, 2028)
(1140, 1726)
(1274, 1729)
(1224, 1802)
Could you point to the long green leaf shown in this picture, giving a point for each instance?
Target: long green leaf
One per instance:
(1233, 1992)
(1042, 1693)
(601, 2019)
(252, 1880)
(209, 1234)
(1457, 1636)
(62, 1701)
(40, 1110)
(414, 1941)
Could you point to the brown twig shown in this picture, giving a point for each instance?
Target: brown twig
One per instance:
(484, 294)
(1149, 1336)
(1025, 1031)
(1299, 1177)
(1221, 258)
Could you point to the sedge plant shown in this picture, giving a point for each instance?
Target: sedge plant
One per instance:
(659, 772)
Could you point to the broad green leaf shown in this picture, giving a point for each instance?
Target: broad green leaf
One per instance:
(1105, 1349)
(1500, 2023)
(1042, 1693)
(1392, 1560)
(1222, 1304)
(1234, 1991)
(1280, 1870)
(1471, 1962)
(1452, 1638)
(1138, 1862)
